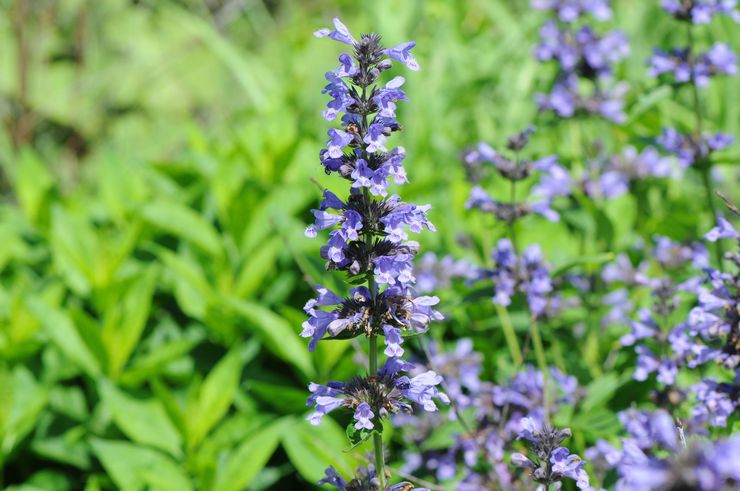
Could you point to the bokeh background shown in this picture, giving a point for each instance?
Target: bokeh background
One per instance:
(156, 165)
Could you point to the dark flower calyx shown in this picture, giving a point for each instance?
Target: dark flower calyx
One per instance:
(520, 140)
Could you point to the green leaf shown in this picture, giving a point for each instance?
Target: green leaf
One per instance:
(32, 184)
(648, 100)
(277, 334)
(443, 436)
(133, 467)
(600, 391)
(248, 459)
(185, 223)
(146, 366)
(143, 421)
(592, 261)
(65, 336)
(74, 249)
(357, 437)
(69, 401)
(192, 289)
(259, 265)
(597, 423)
(216, 395)
(27, 399)
(310, 447)
(67, 449)
(123, 326)
(239, 63)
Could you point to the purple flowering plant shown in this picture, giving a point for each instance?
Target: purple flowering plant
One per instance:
(650, 312)
(369, 241)
(219, 269)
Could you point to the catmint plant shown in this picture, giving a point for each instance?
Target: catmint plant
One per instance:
(708, 335)
(656, 455)
(689, 67)
(611, 176)
(553, 180)
(527, 272)
(549, 461)
(493, 417)
(583, 58)
(369, 242)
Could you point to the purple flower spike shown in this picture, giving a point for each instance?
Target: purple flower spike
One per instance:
(368, 240)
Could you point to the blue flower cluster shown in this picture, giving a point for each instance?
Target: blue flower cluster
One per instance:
(701, 11)
(581, 55)
(526, 273)
(654, 455)
(718, 60)
(388, 392)
(366, 480)
(611, 176)
(434, 273)
(709, 334)
(550, 461)
(502, 416)
(554, 181)
(369, 241)
(572, 10)
(688, 66)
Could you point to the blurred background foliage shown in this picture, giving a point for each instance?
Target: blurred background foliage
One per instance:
(156, 159)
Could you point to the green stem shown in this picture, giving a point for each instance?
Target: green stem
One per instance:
(705, 178)
(539, 352)
(705, 165)
(510, 336)
(373, 365)
(694, 88)
(373, 370)
(377, 437)
(512, 229)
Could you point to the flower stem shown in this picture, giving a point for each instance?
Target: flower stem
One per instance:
(373, 370)
(512, 223)
(706, 181)
(377, 437)
(704, 166)
(510, 335)
(539, 352)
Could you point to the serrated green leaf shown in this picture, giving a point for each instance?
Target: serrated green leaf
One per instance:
(357, 437)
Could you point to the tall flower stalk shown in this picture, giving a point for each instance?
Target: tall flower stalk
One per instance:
(369, 242)
(516, 272)
(692, 68)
